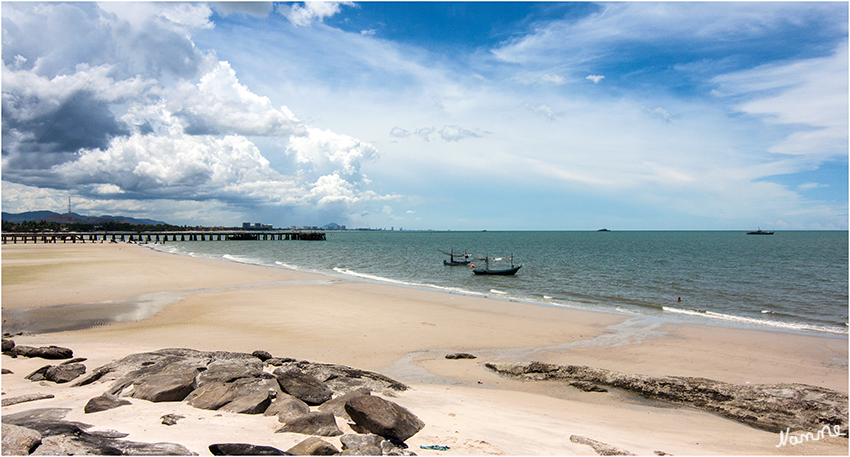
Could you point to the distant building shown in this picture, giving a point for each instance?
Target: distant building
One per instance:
(255, 226)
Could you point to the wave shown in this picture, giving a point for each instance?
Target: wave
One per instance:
(244, 259)
(405, 283)
(793, 326)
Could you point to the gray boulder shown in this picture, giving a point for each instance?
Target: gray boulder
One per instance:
(46, 352)
(103, 403)
(286, 407)
(460, 355)
(336, 406)
(230, 370)
(8, 345)
(19, 440)
(9, 401)
(313, 446)
(171, 386)
(212, 396)
(262, 355)
(383, 417)
(312, 423)
(244, 449)
(65, 373)
(303, 386)
(38, 375)
(361, 444)
(252, 395)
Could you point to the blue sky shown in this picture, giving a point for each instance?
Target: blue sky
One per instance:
(426, 115)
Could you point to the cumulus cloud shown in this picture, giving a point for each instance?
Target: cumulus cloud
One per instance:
(161, 122)
(399, 132)
(308, 12)
(595, 78)
(457, 133)
(425, 132)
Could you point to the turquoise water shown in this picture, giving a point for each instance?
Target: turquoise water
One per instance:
(796, 281)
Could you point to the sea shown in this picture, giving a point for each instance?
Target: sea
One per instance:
(795, 281)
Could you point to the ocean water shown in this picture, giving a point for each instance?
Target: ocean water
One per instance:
(792, 281)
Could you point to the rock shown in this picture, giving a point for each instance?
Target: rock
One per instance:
(47, 352)
(74, 360)
(361, 444)
(587, 386)
(171, 419)
(212, 396)
(262, 355)
(599, 447)
(64, 373)
(313, 446)
(38, 375)
(8, 345)
(61, 437)
(383, 417)
(303, 386)
(6, 371)
(252, 395)
(275, 361)
(286, 406)
(460, 355)
(312, 423)
(103, 403)
(342, 379)
(19, 440)
(244, 449)
(24, 398)
(771, 407)
(336, 406)
(229, 371)
(165, 386)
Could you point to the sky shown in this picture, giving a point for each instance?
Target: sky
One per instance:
(427, 115)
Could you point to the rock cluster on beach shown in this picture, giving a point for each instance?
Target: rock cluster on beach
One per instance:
(306, 397)
(772, 407)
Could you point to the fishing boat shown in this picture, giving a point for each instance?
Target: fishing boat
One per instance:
(760, 232)
(492, 271)
(456, 259)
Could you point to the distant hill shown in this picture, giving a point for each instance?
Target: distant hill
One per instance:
(73, 218)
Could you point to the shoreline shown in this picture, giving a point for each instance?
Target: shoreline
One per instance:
(669, 313)
(405, 333)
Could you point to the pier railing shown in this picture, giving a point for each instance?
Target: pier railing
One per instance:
(161, 237)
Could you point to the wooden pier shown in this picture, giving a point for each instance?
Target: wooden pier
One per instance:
(162, 237)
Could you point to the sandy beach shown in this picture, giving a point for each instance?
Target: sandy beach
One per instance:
(143, 300)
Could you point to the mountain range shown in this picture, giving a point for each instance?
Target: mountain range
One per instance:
(50, 216)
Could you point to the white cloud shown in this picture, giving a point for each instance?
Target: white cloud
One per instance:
(810, 92)
(457, 133)
(595, 78)
(543, 110)
(554, 79)
(327, 152)
(399, 132)
(304, 14)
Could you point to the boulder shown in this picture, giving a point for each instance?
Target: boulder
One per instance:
(8, 345)
(361, 444)
(46, 352)
(212, 396)
(38, 375)
(262, 355)
(64, 373)
(336, 406)
(251, 395)
(103, 403)
(244, 449)
(383, 417)
(313, 446)
(9, 401)
(460, 355)
(587, 386)
(303, 386)
(286, 406)
(161, 387)
(74, 360)
(276, 361)
(229, 371)
(19, 440)
(312, 423)
(6, 371)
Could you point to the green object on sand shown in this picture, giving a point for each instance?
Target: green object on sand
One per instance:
(436, 447)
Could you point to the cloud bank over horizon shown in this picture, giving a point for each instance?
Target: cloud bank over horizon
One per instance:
(581, 116)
